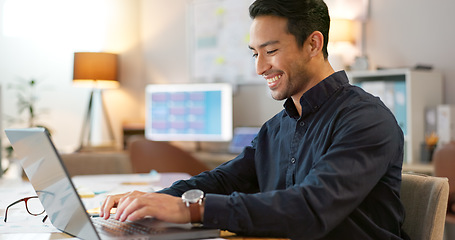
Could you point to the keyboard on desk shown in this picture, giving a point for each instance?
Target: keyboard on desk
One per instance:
(118, 228)
(149, 228)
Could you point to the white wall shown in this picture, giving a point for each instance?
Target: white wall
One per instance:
(164, 35)
(164, 49)
(38, 39)
(409, 32)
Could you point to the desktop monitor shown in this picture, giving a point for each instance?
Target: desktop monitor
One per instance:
(189, 112)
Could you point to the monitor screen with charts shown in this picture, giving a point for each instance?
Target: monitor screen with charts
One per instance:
(189, 112)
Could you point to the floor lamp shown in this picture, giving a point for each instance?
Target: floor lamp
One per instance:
(341, 43)
(97, 70)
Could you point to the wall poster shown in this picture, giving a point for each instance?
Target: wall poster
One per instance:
(219, 36)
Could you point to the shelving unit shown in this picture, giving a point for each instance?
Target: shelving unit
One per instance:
(423, 89)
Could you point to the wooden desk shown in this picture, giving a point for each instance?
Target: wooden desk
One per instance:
(53, 236)
(251, 238)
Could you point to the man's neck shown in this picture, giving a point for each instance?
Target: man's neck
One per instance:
(324, 71)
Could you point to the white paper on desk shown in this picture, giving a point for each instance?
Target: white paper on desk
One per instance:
(19, 221)
(12, 192)
(115, 183)
(103, 185)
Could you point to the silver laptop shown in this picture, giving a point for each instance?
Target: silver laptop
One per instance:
(50, 179)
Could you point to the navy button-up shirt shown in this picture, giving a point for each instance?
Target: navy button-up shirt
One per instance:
(332, 173)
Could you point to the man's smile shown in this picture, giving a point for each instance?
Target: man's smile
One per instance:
(273, 80)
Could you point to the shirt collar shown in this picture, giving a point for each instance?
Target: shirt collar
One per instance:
(314, 98)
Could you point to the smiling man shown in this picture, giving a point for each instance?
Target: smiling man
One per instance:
(289, 68)
(328, 166)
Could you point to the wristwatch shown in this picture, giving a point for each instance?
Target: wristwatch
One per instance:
(193, 200)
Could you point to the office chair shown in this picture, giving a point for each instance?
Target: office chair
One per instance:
(147, 155)
(425, 201)
(444, 166)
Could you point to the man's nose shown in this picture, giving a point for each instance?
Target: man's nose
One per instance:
(262, 65)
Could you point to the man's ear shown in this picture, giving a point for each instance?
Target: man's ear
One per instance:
(316, 42)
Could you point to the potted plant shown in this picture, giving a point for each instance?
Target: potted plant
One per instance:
(27, 113)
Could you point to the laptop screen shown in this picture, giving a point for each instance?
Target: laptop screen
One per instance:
(242, 138)
(51, 182)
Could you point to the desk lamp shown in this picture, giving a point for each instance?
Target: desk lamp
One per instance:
(97, 70)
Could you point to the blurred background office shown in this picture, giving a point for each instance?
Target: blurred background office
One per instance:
(152, 39)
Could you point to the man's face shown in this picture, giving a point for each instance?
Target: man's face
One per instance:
(278, 57)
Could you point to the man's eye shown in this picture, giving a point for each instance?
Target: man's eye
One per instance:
(271, 52)
(255, 55)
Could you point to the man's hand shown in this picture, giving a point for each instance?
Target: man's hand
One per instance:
(136, 205)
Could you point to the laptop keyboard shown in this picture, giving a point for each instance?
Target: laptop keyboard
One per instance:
(122, 228)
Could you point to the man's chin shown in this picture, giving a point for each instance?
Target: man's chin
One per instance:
(277, 96)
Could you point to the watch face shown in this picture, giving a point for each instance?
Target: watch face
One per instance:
(193, 196)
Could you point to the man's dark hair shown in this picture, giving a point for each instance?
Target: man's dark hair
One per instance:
(304, 17)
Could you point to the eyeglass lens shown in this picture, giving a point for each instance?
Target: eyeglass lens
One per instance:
(32, 205)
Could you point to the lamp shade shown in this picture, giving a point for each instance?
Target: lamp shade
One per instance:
(95, 69)
(341, 30)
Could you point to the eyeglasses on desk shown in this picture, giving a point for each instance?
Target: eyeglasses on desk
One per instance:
(32, 205)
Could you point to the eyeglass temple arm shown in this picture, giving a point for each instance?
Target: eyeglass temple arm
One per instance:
(6, 211)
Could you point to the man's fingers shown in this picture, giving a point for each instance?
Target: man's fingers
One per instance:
(122, 204)
(107, 205)
(136, 205)
(125, 201)
(110, 202)
(140, 213)
(102, 208)
(131, 206)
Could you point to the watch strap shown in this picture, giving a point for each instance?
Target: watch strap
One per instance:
(195, 212)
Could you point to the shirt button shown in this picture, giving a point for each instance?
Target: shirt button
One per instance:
(302, 124)
(292, 160)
